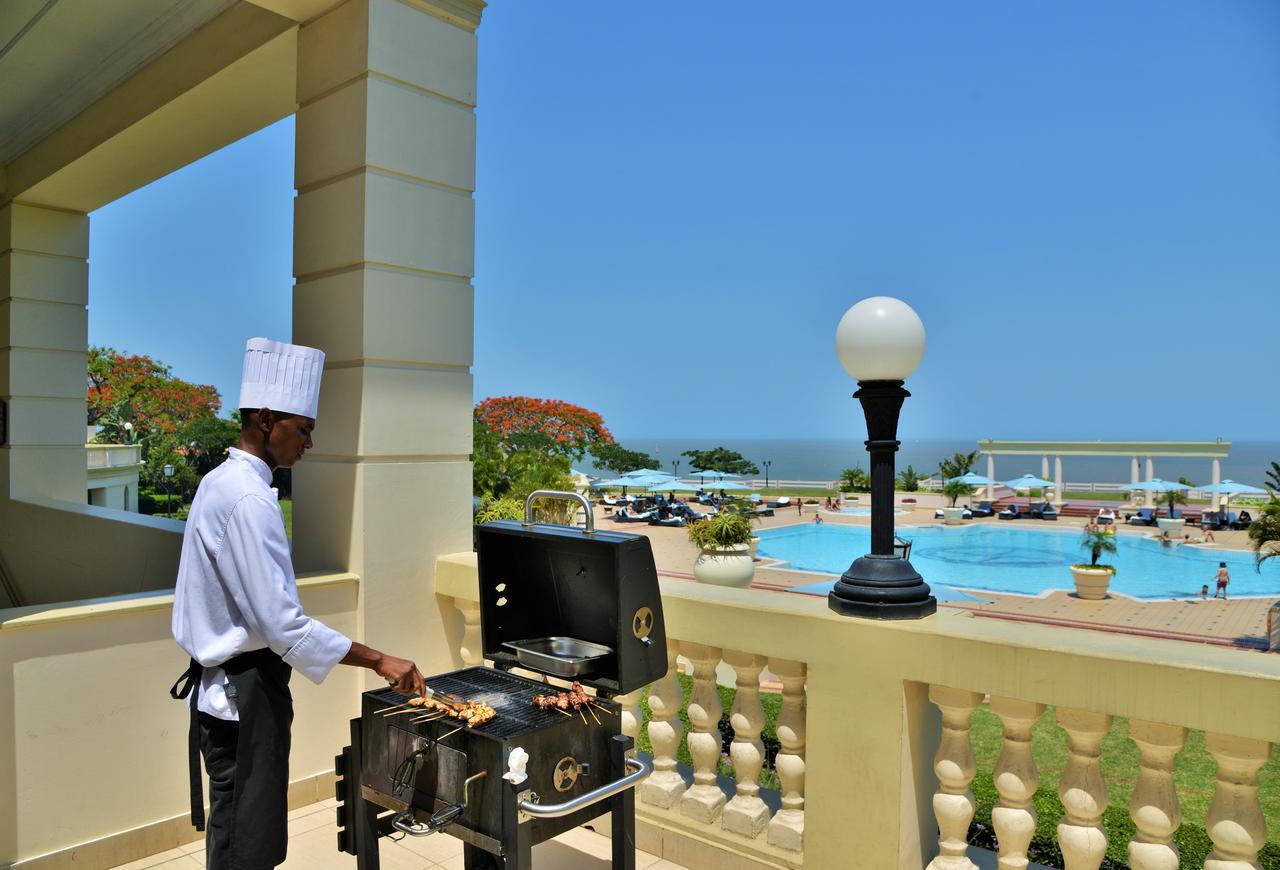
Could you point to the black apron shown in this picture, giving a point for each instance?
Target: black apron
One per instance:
(247, 761)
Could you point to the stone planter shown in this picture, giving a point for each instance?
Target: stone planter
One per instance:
(1173, 527)
(1091, 583)
(953, 516)
(755, 544)
(727, 566)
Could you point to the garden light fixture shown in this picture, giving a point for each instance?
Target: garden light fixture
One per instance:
(880, 341)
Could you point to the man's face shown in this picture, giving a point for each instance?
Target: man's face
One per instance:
(289, 438)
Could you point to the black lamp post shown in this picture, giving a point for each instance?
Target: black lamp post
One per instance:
(675, 468)
(168, 506)
(766, 465)
(881, 342)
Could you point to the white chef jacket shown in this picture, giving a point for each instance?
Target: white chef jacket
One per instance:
(236, 590)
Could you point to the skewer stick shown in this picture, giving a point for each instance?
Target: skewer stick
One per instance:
(592, 711)
(563, 712)
(603, 709)
(429, 717)
(406, 710)
(447, 736)
(583, 715)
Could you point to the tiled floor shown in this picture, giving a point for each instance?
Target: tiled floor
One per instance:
(313, 839)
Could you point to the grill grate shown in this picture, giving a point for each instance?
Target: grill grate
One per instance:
(509, 695)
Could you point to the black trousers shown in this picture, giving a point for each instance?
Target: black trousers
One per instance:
(248, 767)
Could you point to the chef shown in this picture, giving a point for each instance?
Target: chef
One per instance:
(237, 615)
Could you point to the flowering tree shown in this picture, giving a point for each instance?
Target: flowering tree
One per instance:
(548, 426)
(142, 392)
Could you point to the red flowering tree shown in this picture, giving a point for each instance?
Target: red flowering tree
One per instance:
(144, 393)
(545, 425)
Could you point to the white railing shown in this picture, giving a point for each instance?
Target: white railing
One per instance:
(876, 761)
(112, 455)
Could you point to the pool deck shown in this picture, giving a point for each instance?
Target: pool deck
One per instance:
(1237, 622)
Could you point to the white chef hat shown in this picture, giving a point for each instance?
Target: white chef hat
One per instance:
(282, 377)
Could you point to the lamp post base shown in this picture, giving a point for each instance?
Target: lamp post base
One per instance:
(882, 587)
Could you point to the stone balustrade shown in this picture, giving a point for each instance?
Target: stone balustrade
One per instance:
(876, 766)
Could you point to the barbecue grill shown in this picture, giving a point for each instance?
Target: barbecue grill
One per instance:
(555, 601)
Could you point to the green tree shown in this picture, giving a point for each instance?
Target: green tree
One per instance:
(720, 459)
(1264, 533)
(1098, 541)
(957, 464)
(908, 480)
(854, 480)
(162, 450)
(1273, 477)
(1175, 497)
(619, 460)
(955, 491)
(207, 440)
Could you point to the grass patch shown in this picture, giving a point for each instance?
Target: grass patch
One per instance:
(1194, 776)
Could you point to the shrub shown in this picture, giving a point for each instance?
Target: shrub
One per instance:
(723, 530)
(500, 509)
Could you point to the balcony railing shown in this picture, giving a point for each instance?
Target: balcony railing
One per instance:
(113, 455)
(874, 726)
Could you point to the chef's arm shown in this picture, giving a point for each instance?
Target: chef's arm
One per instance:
(402, 674)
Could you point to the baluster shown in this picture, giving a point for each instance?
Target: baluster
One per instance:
(1235, 822)
(953, 803)
(1083, 792)
(471, 650)
(1154, 806)
(704, 800)
(786, 828)
(1016, 780)
(630, 703)
(745, 813)
(665, 785)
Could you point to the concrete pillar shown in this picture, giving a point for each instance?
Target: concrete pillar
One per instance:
(1058, 483)
(1044, 466)
(991, 475)
(1151, 468)
(44, 334)
(383, 255)
(1133, 478)
(1217, 479)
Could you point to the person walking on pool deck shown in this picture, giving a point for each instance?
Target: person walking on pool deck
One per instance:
(236, 614)
(1224, 577)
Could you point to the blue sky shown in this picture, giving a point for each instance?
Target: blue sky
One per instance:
(676, 203)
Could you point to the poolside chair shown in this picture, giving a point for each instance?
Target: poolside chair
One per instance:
(1212, 521)
(764, 511)
(783, 501)
(1049, 512)
(984, 509)
(669, 521)
(626, 515)
(1106, 516)
(1012, 512)
(1144, 517)
(611, 500)
(939, 515)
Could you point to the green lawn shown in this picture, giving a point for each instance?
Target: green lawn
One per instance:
(1194, 775)
(286, 508)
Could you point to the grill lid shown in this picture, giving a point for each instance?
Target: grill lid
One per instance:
(540, 582)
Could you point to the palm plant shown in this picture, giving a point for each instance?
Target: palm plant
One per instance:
(1264, 533)
(1273, 477)
(1098, 541)
(955, 490)
(855, 480)
(908, 480)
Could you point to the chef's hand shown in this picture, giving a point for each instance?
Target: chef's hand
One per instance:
(403, 675)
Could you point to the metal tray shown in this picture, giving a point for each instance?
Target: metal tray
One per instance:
(559, 656)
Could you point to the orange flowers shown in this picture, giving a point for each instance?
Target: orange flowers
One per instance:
(556, 427)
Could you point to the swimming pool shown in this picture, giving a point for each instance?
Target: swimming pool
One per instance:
(1028, 561)
(861, 511)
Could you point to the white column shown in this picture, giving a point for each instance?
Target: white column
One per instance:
(664, 786)
(1082, 789)
(704, 801)
(1154, 805)
(746, 813)
(1058, 483)
(1235, 822)
(1151, 468)
(991, 475)
(1217, 479)
(384, 226)
(1133, 477)
(1016, 780)
(44, 333)
(786, 828)
(953, 803)
(1044, 466)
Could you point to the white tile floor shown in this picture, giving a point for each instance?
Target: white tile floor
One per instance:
(313, 845)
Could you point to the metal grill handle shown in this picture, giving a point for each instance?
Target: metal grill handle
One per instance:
(563, 496)
(639, 767)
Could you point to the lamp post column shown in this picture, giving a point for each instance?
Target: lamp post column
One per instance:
(766, 465)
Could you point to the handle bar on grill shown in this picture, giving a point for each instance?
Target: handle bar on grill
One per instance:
(563, 496)
(639, 767)
(406, 824)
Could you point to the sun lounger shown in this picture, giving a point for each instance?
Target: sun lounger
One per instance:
(785, 501)
(669, 521)
(983, 509)
(764, 511)
(611, 500)
(1144, 517)
(1012, 512)
(627, 516)
(1243, 521)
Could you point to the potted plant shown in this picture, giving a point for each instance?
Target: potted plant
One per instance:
(954, 516)
(1093, 579)
(724, 542)
(1172, 524)
(748, 510)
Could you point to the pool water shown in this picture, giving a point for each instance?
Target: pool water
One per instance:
(862, 511)
(1028, 561)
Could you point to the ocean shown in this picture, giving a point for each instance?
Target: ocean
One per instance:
(823, 460)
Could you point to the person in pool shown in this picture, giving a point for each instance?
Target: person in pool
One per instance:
(1224, 577)
(1204, 591)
